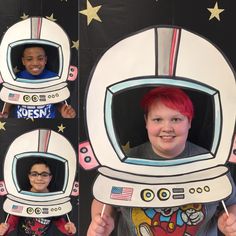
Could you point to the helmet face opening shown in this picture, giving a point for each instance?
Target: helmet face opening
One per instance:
(58, 168)
(53, 52)
(125, 120)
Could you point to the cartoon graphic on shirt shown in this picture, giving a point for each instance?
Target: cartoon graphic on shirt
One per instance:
(175, 221)
(36, 226)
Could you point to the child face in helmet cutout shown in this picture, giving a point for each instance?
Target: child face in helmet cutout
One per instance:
(167, 122)
(168, 115)
(34, 59)
(40, 177)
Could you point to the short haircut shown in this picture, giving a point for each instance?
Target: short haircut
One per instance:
(33, 45)
(40, 162)
(171, 97)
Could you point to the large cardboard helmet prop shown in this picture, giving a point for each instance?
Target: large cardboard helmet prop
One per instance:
(39, 31)
(55, 149)
(155, 57)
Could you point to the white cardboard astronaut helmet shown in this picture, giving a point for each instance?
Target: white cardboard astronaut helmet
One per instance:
(40, 31)
(25, 150)
(154, 57)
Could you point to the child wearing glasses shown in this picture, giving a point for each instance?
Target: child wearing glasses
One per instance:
(39, 178)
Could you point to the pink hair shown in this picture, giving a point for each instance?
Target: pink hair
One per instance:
(171, 97)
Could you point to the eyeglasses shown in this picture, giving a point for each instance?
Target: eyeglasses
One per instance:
(36, 174)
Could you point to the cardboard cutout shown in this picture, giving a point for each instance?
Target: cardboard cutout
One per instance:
(35, 30)
(24, 150)
(153, 57)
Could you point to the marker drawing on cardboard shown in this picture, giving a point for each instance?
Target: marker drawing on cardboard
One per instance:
(159, 56)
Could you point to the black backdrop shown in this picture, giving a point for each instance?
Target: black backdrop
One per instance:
(118, 18)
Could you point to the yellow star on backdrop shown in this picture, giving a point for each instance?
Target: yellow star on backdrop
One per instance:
(91, 13)
(126, 147)
(61, 128)
(24, 17)
(215, 12)
(75, 44)
(51, 18)
(2, 125)
(15, 69)
(30, 118)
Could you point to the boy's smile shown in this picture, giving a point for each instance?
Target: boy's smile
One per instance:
(39, 178)
(34, 60)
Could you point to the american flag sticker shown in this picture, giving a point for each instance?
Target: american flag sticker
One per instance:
(17, 208)
(13, 96)
(121, 193)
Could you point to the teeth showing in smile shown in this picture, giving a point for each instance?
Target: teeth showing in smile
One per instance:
(167, 138)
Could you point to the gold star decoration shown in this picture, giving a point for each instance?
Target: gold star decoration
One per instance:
(126, 147)
(24, 17)
(2, 125)
(51, 17)
(16, 70)
(91, 13)
(61, 128)
(215, 12)
(30, 118)
(75, 44)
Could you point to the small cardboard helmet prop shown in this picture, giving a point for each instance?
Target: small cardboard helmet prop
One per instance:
(27, 149)
(54, 40)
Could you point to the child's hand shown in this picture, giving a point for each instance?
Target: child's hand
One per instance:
(3, 228)
(3, 115)
(67, 111)
(227, 224)
(101, 226)
(70, 228)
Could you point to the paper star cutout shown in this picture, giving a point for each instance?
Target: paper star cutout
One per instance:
(61, 128)
(91, 13)
(126, 147)
(215, 12)
(75, 44)
(15, 69)
(24, 17)
(51, 18)
(2, 125)
(30, 118)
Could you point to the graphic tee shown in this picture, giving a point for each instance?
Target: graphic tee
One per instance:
(33, 112)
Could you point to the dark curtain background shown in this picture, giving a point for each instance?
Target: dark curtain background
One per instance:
(118, 18)
(65, 13)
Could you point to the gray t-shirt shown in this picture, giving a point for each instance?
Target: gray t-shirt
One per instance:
(145, 151)
(189, 220)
